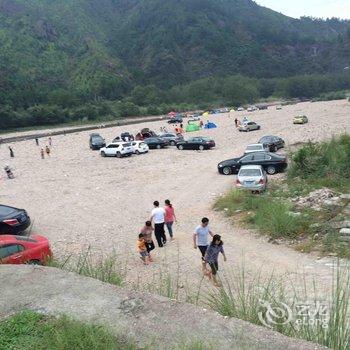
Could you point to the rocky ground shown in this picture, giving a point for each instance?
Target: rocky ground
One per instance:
(78, 199)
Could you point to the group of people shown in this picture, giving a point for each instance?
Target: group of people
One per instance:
(160, 217)
(47, 149)
(165, 216)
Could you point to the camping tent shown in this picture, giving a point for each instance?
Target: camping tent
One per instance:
(192, 127)
(210, 125)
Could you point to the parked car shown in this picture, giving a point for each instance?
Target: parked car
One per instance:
(249, 127)
(273, 143)
(156, 142)
(252, 178)
(139, 147)
(96, 141)
(251, 109)
(172, 138)
(175, 120)
(271, 162)
(256, 147)
(278, 108)
(144, 134)
(240, 109)
(13, 220)
(126, 136)
(34, 249)
(300, 119)
(117, 149)
(197, 142)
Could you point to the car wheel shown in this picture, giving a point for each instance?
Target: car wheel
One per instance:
(118, 155)
(34, 262)
(259, 127)
(248, 130)
(172, 143)
(103, 154)
(226, 170)
(271, 170)
(137, 152)
(201, 147)
(181, 147)
(159, 146)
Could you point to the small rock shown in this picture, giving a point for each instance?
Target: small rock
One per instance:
(295, 214)
(345, 196)
(226, 209)
(345, 232)
(238, 211)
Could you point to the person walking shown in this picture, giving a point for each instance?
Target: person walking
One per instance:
(141, 247)
(147, 232)
(211, 257)
(48, 151)
(42, 152)
(37, 141)
(12, 155)
(200, 239)
(158, 217)
(50, 141)
(169, 217)
(236, 122)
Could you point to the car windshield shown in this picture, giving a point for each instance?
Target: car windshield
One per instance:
(253, 147)
(250, 172)
(205, 138)
(142, 144)
(6, 210)
(128, 144)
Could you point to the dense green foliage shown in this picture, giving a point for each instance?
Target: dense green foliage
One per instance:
(88, 59)
(328, 162)
(29, 330)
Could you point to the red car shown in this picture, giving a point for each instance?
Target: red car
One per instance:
(32, 249)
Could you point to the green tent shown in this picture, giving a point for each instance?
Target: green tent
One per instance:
(192, 127)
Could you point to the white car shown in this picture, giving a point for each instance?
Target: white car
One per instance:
(139, 147)
(252, 178)
(240, 109)
(117, 149)
(256, 147)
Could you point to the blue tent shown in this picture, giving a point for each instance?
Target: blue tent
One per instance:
(210, 125)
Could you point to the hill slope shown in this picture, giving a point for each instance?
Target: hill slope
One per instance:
(54, 51)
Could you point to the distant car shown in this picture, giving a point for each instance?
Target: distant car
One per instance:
(117, 149)
(256, 147)
(300, 119)
(240, 109)
(172, 138)
(249, 127)
(32, 249)
(96, 141)
(273, 143)
(251, 109)
(144, 134)
(13, 220)
(126, 136)
(271, 162)
(278, 108)
(139, 147)
(175, 120)
(252, 178)
(156, 142)
(198, 143)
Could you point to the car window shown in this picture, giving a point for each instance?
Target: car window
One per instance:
(9, 250)
(259, 156)
(249, 172)
(4, 210)
(142, 144)
(247, 158)
(113, 146)
(128, 144)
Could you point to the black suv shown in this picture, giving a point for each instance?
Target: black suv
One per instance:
(97, 141)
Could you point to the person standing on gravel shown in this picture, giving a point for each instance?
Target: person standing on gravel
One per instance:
(158, 217)
(147, 232)
(200, 239)
(169, 217)
(12, 155)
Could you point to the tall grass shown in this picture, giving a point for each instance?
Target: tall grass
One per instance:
(104, 268)
(328, 162)
(269, 302)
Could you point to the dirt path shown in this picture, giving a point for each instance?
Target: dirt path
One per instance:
(79, 199)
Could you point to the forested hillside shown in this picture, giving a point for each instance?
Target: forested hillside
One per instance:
(63, 59)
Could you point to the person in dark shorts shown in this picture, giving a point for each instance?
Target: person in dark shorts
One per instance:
(211, 257)
(200, 239)
(147, 232)
(158, 218)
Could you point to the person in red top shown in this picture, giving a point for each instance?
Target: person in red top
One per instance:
(169, 217)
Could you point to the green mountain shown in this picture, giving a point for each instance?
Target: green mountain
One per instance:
(63, 52)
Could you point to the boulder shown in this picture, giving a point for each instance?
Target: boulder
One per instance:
(345, 232)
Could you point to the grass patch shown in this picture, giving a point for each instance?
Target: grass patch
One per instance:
(29, 330)
(106, 269)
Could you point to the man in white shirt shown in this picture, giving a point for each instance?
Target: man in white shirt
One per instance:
(158, 217)
(200, 238)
